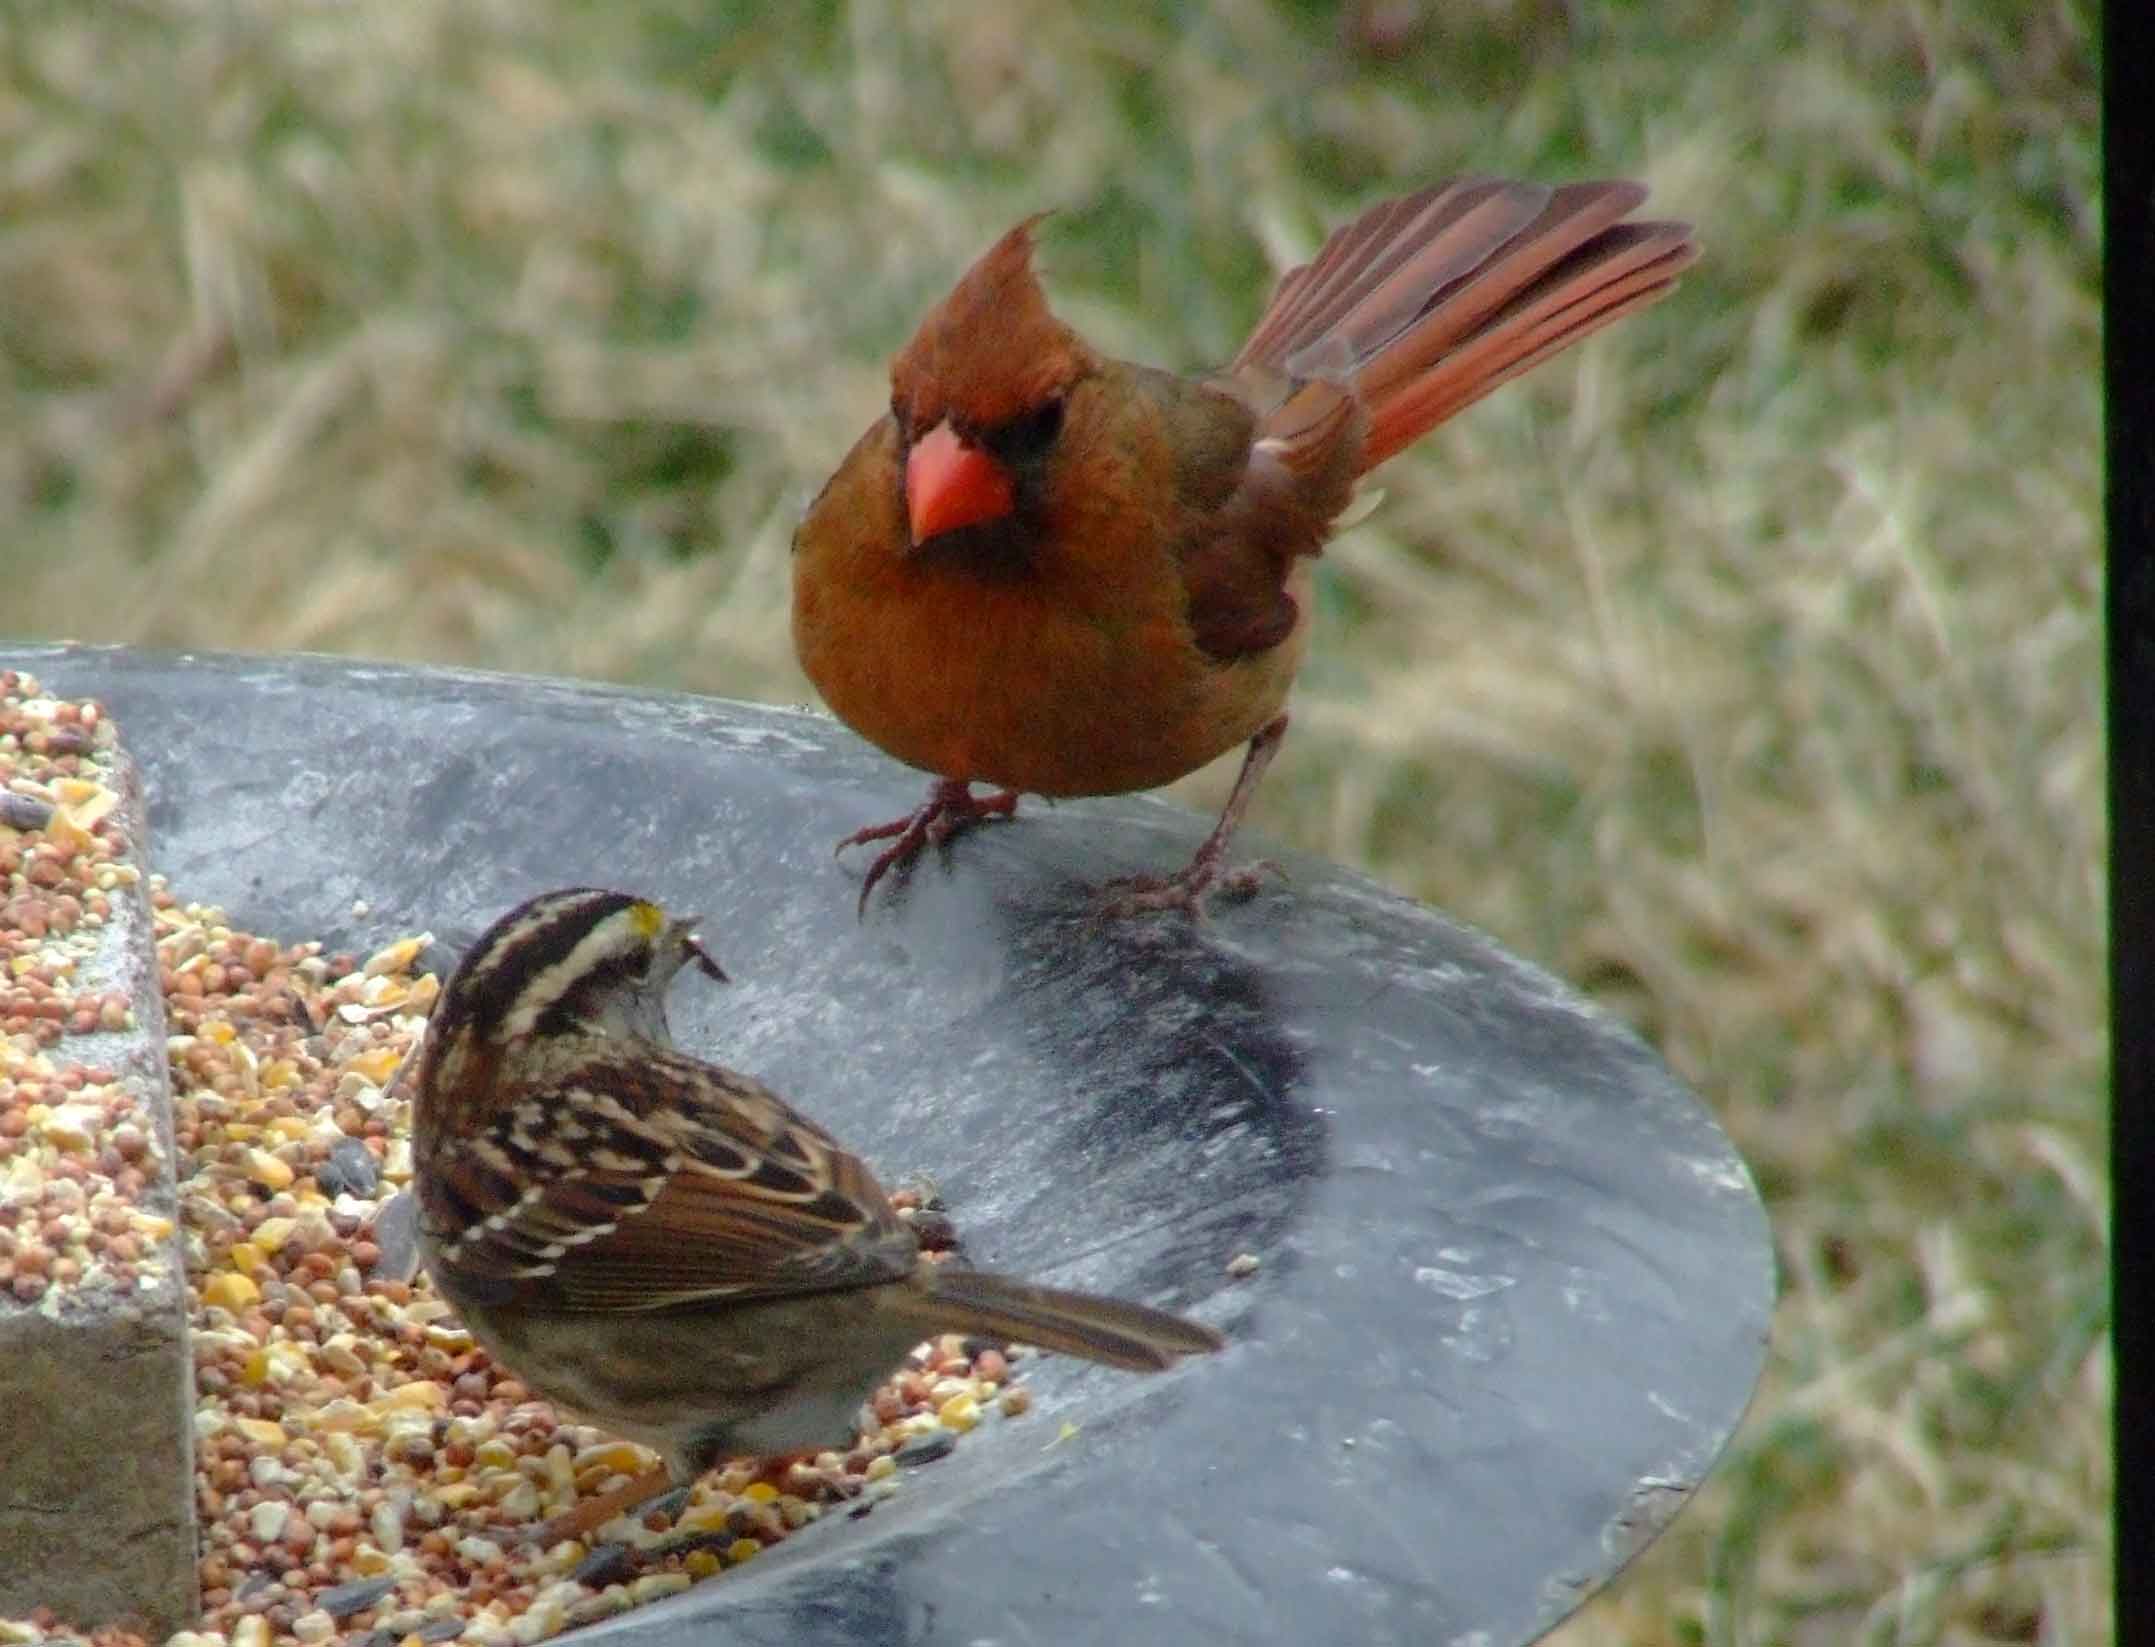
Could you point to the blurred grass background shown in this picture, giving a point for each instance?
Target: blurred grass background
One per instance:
(1742, 665)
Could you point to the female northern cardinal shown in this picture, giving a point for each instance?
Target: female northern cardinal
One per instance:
(1062, 574)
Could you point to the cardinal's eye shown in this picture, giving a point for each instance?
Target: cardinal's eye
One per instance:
(1031, 435)
(900, 414)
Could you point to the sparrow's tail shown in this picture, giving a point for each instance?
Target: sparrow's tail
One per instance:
(1107, 1330)
(1424, 304)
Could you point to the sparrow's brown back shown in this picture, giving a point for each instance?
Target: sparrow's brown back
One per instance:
(623, 1176)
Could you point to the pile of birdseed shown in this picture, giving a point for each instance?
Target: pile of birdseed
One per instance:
(364, 1472)
(93, 1296)
(72, 1142)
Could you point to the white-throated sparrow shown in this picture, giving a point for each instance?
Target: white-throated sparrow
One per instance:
(665, 1247)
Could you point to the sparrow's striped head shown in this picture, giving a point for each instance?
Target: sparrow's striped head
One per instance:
(582, 959)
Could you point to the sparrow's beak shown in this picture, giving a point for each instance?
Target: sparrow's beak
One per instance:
(949, 485)
(697, 953)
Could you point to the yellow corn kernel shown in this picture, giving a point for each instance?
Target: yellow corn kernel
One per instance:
(610, 1457)
(396, 957)
(343, 1416)
(65, 833)
(92, 810)
(229, 1290)
(377, 1064)
(346, 1454)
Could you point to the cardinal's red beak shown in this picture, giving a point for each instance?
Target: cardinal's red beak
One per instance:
(949, 485)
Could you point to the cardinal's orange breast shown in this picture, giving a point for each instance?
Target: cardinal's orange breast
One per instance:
(1015, 684)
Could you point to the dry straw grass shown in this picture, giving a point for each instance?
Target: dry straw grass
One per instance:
(1741, 666)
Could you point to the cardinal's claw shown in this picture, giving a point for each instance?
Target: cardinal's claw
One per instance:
(1186, 893)
(951, 807)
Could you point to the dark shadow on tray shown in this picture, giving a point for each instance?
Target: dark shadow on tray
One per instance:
(1186, 1107)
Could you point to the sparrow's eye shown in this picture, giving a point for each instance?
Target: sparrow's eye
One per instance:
(1029, 435)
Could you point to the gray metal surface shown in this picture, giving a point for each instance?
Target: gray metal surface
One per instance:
(1514, 1282)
